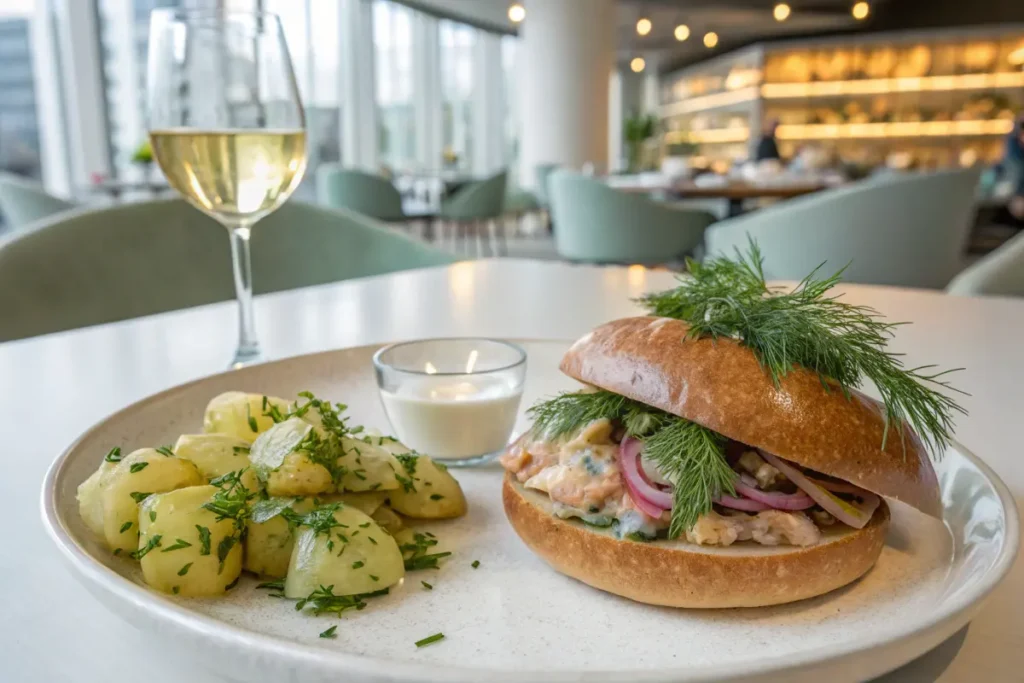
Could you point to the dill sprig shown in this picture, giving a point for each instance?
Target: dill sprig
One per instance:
(692, 457)
(416, 556)
(324, 601)
(807, 327)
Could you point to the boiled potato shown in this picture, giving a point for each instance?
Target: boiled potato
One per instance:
(269, 543)
(358, 557)
(433, 493)
(230, 413)
(366, 501)
(90, 497)
(177, 555)
(388, 520)
(217, 454)
(139, 474)
(287, 470)
(367, 467)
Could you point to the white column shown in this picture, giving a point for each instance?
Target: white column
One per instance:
(488, 104)
(54, 145)
(356, 73)
(128, 128)
(426, 92)
(85, 106)
(616, 118)
(566, 62)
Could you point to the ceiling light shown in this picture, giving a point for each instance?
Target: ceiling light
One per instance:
(516, 12)
(861, 10)
(781, 12)
(710, 39)
(643, 26)
(637, 65)
(682, 32)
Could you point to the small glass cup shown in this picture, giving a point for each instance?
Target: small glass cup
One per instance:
(455, 399)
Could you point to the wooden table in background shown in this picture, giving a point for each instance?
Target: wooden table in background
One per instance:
(735, 192)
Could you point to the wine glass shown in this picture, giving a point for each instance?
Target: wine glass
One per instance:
(227, 126)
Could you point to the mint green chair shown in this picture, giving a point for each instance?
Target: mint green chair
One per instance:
(98, 266)
(23, 201)
(907, 230)
(599, 224)
(1000, 273)
(370, 195)
(542, 173)
(476, 206)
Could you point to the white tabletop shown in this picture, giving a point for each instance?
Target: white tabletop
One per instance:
(54, 387)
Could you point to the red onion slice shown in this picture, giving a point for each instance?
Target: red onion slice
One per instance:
(648, 499)
(775, 499)
(745, 504)
(855, 514)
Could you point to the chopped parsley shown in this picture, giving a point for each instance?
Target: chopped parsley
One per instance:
(233, 583)
(152, 515)
(178, 545)
(251, 420)
(138, 467)
(358, 564)
(324, 601)
(330, 633)
(113, 455)
(125, 527)
(475, 564)
(165, 451)
(204, 539)
(436, 496)
(416, 556)
(184, 569)
(153, 542)
(427, 585)
(139, 496)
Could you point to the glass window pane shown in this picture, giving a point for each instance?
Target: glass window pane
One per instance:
(392, 41)
(457, 41)
(19, 129)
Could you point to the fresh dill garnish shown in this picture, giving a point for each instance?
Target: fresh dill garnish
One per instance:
(330, 633)
(436, 496)
(184, 569)
(139, 496)
(810, 328)
(204, 540)
(374, 578)
(324, 601)
(153, 542)
(137, 467)
(407, 483)
(233, 583)
(358, 564)
(408, 461)
(475, 564)
(113, 455)
(427, 586)
(240, 449)
(323, 452)
(223, 549)
(253, 425)
(230, 502)
(320, 519)
(692, 457)
(175, 590)
(178, 545)
(416, 556)
(277, 585)
(152, 515)
(430, 639)
(165, 451)
(125, 527)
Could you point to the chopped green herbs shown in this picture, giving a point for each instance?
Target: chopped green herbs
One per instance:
(436, 496)
(358, 564)
(223, 549)
(416, 556)
(430, 639)
(204, 540)
(427, 585)
(233, 583)
(374, 578)
(113, 455)
(178, 545)
(240, 450)
(277, 585)
(125, 527)
(165, 451)
(138, 467)
(139, 496)
(324, 601)
(153, 542)
(253, 425)
(184, 569)
(330, 633)
(475, 564)
(152, 515)
(372, 540)
(321, 520)
(175, 590)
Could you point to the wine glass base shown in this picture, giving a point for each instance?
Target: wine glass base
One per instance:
(246, 356)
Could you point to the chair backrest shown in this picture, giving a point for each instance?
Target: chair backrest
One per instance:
(96, 266)
(542, 173)
(1000, 273)
(482, 200)
(907, 230)
(23, 201)
(370, 195)
(594, 222)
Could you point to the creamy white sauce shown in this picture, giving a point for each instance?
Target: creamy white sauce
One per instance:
(459, 417)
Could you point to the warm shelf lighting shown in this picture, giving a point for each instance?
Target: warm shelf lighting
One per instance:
(637, 65)
(710, 39)
(781, 12)
(712, 136)
(516, 12)
(712, 101)
(1016, 57)
(682, 32)
(643, 26)
(899, 129)
(882, 86)
(861, 10)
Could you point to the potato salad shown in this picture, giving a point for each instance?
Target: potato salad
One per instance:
(285, 490)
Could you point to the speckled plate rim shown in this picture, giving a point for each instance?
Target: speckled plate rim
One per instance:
(900, 644)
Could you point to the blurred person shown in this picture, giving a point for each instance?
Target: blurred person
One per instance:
(767, 147)
(1012, 167)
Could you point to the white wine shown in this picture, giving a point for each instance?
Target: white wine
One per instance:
(234, 174)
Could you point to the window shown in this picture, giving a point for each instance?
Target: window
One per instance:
(19, 129)
(457, 41)
(393, 57)
(509, 47)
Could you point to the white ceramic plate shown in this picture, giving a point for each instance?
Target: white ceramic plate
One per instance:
(513, 618)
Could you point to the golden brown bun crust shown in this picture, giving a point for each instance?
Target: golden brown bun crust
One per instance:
(721, 385)
(678, 574)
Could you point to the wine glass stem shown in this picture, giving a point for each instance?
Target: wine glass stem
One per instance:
(248, 345)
